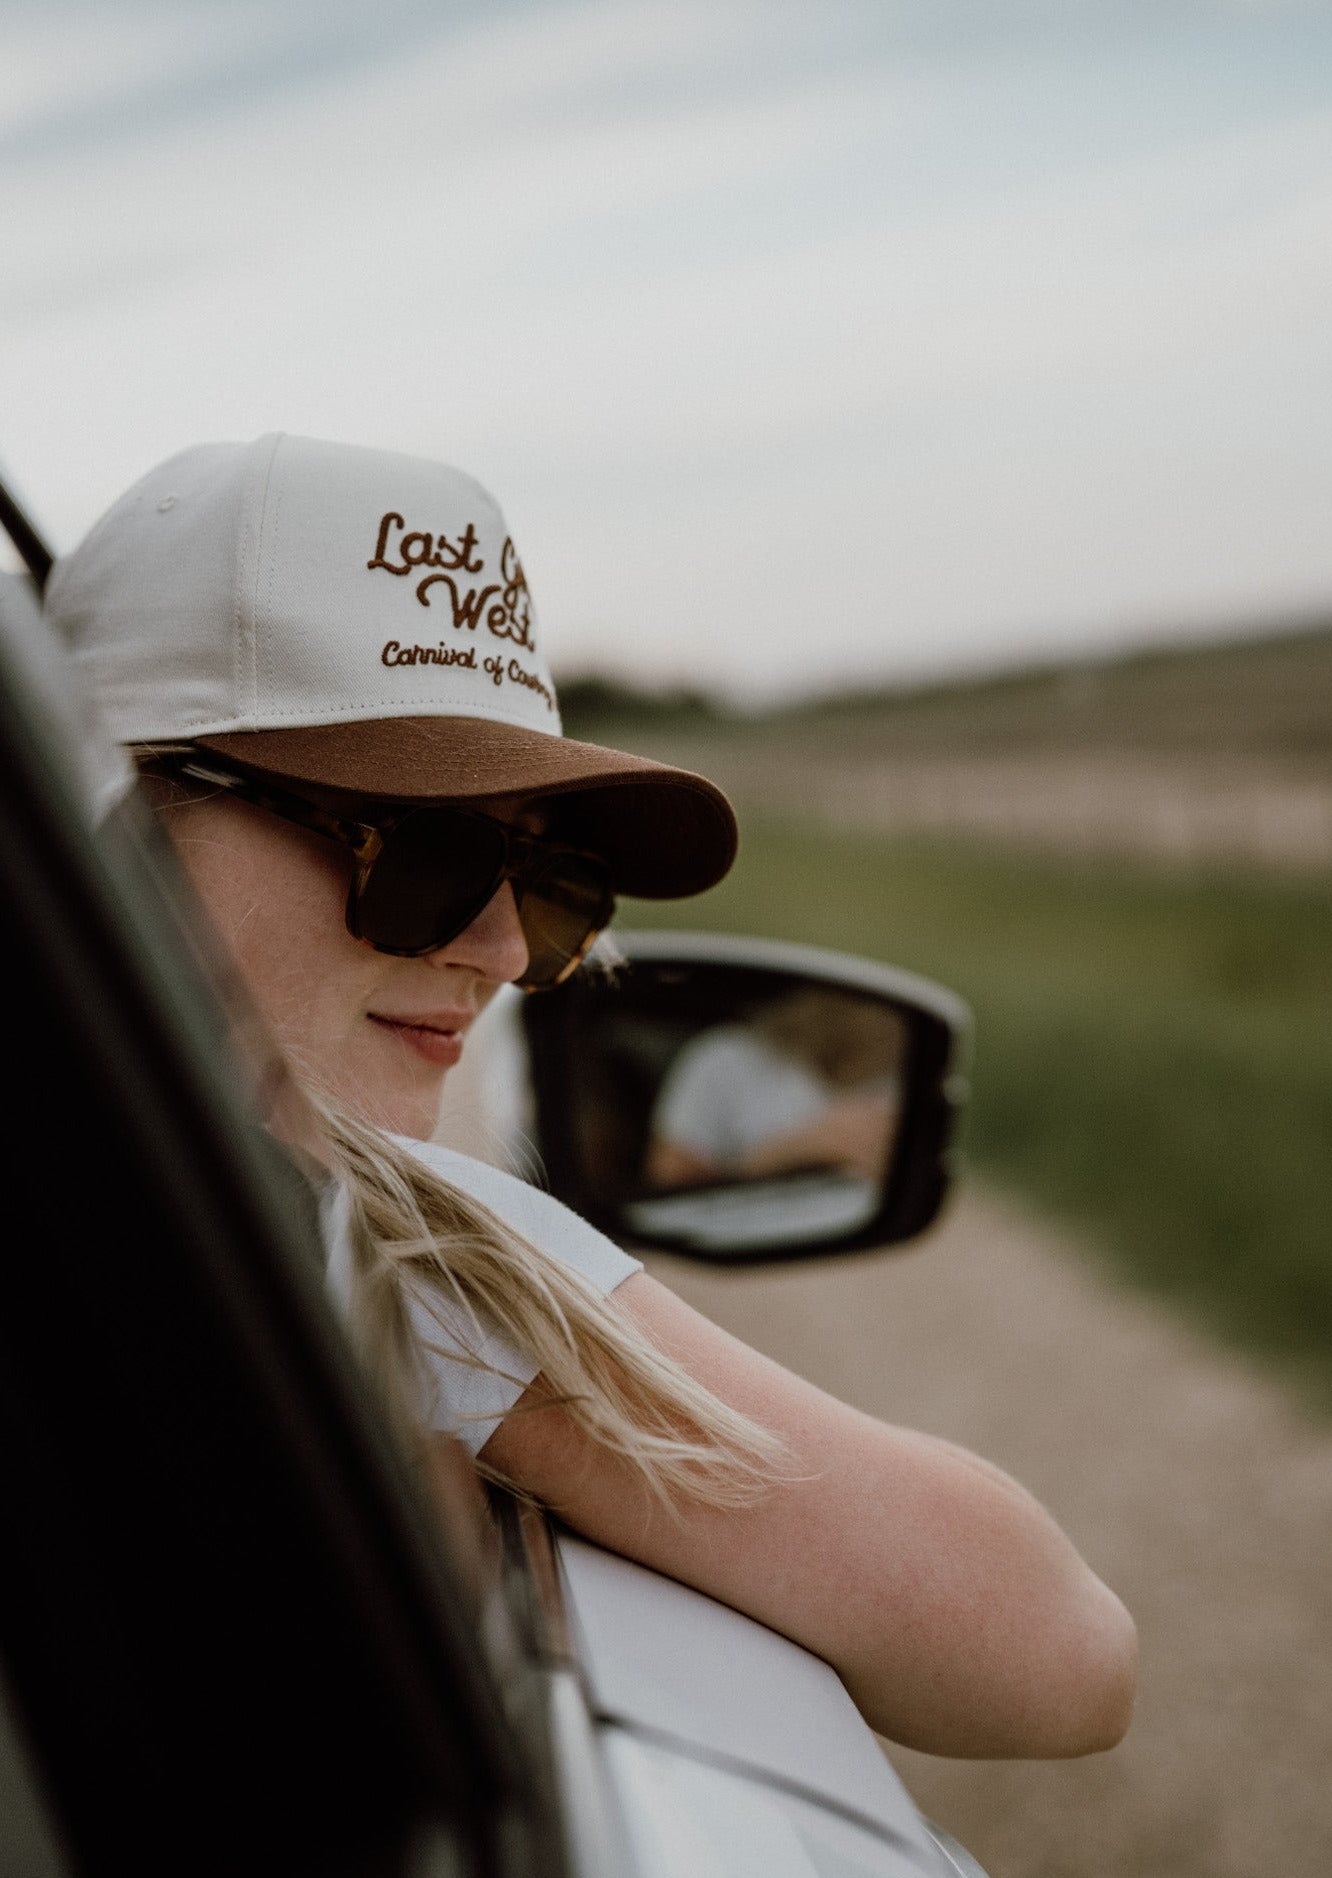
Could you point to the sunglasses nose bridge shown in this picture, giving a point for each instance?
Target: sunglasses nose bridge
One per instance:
(368, 849)
(524, 859)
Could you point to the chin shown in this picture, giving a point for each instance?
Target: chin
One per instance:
(413, 1111)
(417, 1115)
(400, 1095)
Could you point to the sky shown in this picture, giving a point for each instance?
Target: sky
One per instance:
(806, 343)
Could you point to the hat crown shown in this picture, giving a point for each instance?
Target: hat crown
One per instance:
(289, 582)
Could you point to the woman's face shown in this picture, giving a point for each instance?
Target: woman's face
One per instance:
(376, 1033)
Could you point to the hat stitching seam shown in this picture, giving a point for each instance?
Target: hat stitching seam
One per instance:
(366, 713)
(251, 543)
(270, 483)
(238, 615)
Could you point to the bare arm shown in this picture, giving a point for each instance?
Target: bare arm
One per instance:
(673, 1164)
(851, 1134)
(959, 1616)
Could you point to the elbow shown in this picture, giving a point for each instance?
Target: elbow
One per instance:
(1100, 1677)
(1068, 1690)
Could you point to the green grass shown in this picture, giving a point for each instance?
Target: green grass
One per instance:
(1153, 1054)
(1267, 696)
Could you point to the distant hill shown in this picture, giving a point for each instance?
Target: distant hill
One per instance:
(1268, 697)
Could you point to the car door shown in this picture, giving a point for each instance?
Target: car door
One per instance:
(233, 1634)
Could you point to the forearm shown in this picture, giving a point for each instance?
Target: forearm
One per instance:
(960, 1617)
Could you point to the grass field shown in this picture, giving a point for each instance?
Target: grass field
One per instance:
(1265, 698)
(1154, 1050)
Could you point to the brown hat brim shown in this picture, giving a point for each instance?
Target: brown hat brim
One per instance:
(665, 832)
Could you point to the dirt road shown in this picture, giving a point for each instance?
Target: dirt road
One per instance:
(1194, 1486)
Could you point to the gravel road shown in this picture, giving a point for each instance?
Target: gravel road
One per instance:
(1191, 1482)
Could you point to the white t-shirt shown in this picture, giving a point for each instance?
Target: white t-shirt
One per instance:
(469, 1393)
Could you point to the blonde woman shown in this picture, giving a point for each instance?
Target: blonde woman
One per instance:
(327, 663)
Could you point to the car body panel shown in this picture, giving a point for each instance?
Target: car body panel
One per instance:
(698, 1681)
(688, 1815)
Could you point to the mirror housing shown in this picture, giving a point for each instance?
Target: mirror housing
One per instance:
(835, 1080)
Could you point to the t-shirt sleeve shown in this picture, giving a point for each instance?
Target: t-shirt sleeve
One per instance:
(471, 1376)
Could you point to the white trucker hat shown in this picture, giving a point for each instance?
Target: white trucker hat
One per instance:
(357, 620)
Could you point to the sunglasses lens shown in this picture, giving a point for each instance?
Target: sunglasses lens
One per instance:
(433, 875)
(438, 869)
(563, 902)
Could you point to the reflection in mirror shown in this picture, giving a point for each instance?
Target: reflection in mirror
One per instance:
(765, 1101)
(809, 1079)
(786, 1116)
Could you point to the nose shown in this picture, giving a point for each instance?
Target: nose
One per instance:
(493, 945)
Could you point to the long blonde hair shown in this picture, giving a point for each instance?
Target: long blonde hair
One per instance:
(415, 1235)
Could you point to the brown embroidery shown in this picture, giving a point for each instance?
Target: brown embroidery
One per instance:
(420, 549)
(395, 654)
(517, 676)
(466, 606)
(494, 666)
(512, 617)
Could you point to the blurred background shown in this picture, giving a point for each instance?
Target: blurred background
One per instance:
(916, 416)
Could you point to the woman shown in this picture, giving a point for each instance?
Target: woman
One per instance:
(326, 660)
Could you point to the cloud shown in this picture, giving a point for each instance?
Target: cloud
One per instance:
(798, 347)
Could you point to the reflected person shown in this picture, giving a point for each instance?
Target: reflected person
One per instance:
(811, 1081)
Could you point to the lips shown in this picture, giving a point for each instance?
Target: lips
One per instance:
(436, 1037)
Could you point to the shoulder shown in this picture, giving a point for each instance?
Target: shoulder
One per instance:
(551, 1226)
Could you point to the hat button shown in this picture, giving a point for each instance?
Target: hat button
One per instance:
(167, 502)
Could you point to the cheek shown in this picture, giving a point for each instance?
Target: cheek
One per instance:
(277, 898)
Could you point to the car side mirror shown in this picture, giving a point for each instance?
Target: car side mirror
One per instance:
(739, 1100)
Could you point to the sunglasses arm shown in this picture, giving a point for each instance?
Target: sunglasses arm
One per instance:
(364, 841)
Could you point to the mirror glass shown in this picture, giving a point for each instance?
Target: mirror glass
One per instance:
(719, 1108)
(775, 1122)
